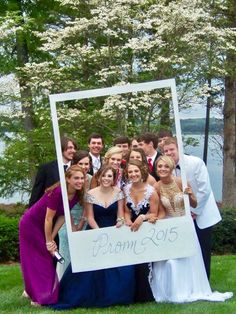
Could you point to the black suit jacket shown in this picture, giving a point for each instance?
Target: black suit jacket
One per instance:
(154, 172)
(91, 171)
(47, 175)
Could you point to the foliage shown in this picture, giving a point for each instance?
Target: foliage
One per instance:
(224, 233)
(9, 238)
(62, 46)
(223, 239)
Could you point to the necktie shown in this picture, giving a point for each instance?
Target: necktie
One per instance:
(177, 167)
(150, 165)
(65, 167)
(96, 165)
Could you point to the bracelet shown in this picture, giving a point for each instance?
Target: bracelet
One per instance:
(49, 243)
(120, 219)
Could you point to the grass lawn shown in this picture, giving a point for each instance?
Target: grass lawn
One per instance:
(223, 278)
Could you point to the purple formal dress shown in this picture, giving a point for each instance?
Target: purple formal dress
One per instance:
(39, 273)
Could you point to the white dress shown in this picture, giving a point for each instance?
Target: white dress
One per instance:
(183, 279)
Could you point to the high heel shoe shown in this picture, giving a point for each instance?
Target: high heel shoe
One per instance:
(25, 295)
(35, 304)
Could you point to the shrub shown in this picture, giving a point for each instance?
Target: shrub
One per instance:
(223, 241)
(9, 241)
(224, 233)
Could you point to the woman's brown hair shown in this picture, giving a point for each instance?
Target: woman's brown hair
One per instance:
(143, 169)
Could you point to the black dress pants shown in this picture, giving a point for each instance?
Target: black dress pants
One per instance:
(204, 238)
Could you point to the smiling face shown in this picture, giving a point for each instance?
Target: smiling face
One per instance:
(84, 163)
(171, 150)
(115, 161)
(107, 178)
(135, 156)
(69, 152)
(95, 146)
(134, 174)
(76, 180)
(163, 169)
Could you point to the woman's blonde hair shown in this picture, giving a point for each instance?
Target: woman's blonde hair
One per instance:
(170, 162)
(111, 151)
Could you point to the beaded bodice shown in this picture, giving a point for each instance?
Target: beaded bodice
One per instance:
(172, 199)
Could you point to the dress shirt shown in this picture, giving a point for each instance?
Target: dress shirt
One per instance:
(96, 163)
(177, 171)
(153, 157)
(66, 166)
(150, 164)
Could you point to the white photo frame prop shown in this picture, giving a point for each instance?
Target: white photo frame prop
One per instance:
(112, 247)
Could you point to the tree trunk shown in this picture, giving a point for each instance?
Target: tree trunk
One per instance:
(25, 91)
(229, 156)
(207, 125)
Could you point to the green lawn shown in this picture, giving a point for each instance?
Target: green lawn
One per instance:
(223, 279)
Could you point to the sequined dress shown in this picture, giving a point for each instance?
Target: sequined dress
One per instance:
(183, 279)
(143, 292)
(172, 199)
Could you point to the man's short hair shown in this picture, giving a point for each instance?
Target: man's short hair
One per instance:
(164, 133)
(95, 135)
(121, 140)
(147, 138)
(171, 140)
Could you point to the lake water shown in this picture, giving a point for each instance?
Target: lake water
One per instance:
(214, 166)
(214, 162)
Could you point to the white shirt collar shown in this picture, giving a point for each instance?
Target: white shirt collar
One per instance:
(153, 157)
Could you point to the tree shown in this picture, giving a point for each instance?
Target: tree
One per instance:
(78, 45)
(229, 173)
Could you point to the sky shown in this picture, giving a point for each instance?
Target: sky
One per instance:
(199, 111)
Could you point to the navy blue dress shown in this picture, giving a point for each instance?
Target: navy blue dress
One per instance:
(99, 288)
(143, 292)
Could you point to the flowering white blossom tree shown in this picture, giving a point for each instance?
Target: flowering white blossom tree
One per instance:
(100, 43)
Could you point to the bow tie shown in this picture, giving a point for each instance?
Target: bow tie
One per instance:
(65, 167)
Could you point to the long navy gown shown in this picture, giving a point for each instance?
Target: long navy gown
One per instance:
(99, 288)
(143, 292)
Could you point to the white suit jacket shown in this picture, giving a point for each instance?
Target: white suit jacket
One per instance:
(197, 176)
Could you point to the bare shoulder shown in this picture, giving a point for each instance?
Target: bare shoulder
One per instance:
(151, 180)
(157, 186)
(155, 195)
(93, 191)
(116, 189)
(178, 182)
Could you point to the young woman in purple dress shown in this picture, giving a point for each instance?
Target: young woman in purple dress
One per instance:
(37, 230)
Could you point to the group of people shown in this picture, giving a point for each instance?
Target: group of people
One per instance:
(135, 181)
